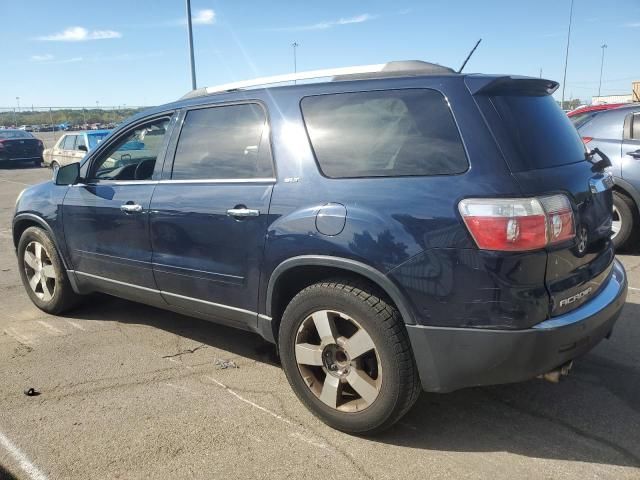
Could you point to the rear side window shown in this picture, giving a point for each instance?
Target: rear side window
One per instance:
(384, 134)
(224, 143)
(539, 133)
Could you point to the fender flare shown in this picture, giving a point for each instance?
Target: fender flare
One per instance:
(354, 266)
(31, 217)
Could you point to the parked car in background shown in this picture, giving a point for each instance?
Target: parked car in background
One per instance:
(583, 114)
(19, 146)
(399, 228)
(26, 128)
(72, 147)
(616, 131)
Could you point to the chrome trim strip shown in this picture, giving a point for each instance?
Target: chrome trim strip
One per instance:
(616, 284)
(117, 282)
(264, 317)
(156, 182)
(222, 180)
(162, 292)
(211, 304)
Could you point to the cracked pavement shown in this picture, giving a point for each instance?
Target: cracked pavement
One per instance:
(129, 391)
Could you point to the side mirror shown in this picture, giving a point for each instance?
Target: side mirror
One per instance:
(67, 175)
(83, 148)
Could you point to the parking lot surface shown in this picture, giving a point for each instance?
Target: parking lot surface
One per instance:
(129, 391)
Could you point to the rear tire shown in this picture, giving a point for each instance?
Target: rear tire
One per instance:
(43, 274)
(360, 378)
(624, 218)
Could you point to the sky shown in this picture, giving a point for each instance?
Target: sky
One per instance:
(135, 52)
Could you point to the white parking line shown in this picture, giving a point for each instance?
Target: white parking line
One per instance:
(11, 181)
(29, 468)
(51, 328)
(634, 289)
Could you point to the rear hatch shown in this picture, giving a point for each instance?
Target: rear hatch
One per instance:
(546, 156)
(21, 148)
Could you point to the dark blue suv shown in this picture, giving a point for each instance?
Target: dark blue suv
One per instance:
(397, 228)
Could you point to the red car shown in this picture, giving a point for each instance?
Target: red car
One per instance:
(582, 114)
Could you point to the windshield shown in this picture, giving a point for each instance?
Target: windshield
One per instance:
(14, 134)
(96, 138)
(539, 133)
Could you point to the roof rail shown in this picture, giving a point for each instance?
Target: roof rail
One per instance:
(411, 67)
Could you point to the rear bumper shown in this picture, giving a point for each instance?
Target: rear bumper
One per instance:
(452, 358)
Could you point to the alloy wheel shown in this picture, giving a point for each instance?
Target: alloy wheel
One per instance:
(616, 223)
(40, 271)
(338, 361)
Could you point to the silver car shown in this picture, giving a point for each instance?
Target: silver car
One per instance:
(616, 132)
(72, 147)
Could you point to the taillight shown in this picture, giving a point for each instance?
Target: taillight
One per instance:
(586, 139)
(518, 224)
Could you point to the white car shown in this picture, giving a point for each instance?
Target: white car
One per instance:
(72, 147)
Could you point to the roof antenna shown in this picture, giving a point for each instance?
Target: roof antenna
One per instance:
(469, 56)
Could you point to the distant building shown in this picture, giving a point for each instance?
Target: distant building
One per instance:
(611, 99)
(634, 96)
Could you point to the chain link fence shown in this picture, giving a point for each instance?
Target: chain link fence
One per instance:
(49, 123)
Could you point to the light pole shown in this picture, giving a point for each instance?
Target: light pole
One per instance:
(295, 46)
(603, 46)
(18, 102)
(566, 55)
(191, 56)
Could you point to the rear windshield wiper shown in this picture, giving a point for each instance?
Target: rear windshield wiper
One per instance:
(598, 165)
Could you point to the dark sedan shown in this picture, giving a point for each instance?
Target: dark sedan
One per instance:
(18, 146)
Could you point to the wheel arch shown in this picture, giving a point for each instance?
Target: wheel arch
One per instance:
(23, 221)
(318, 267)
(624, 187)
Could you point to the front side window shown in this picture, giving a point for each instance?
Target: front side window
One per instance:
(384, 134)
(224, 142)
(132, 157)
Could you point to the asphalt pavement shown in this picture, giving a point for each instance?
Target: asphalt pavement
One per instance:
(130, 391)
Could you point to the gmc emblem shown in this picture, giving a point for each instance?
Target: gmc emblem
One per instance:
(569, 300)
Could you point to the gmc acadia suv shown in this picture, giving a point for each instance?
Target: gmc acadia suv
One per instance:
(397, 228)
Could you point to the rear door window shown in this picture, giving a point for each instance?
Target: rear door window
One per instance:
(539, 134)
(224, 142)
(387, 133)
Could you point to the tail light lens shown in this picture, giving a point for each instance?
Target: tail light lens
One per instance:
(586, 139)
(518, 224)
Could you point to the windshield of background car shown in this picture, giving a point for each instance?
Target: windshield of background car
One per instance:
(14, 135)
(95, 139)
(539, 132)
(580, 119)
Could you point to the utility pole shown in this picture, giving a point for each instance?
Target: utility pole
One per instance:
(191, 56)
(603, 46)
(566, 55)
(295, 45)
(18, 102)
(540, 72)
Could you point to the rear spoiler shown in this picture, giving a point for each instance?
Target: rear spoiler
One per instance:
(509, 85)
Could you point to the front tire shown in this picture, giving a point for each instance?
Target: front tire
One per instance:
(623, 220)
(43, 274)
(347, 356)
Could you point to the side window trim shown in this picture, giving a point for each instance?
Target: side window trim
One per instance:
(105, 146)
(265, 142)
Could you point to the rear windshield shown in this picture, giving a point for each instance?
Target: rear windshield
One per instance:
(539, 132)
(14, 134)
(387, 133)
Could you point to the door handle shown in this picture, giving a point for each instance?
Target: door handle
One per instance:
(634, 154)
(131, 208)
(242, 212)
